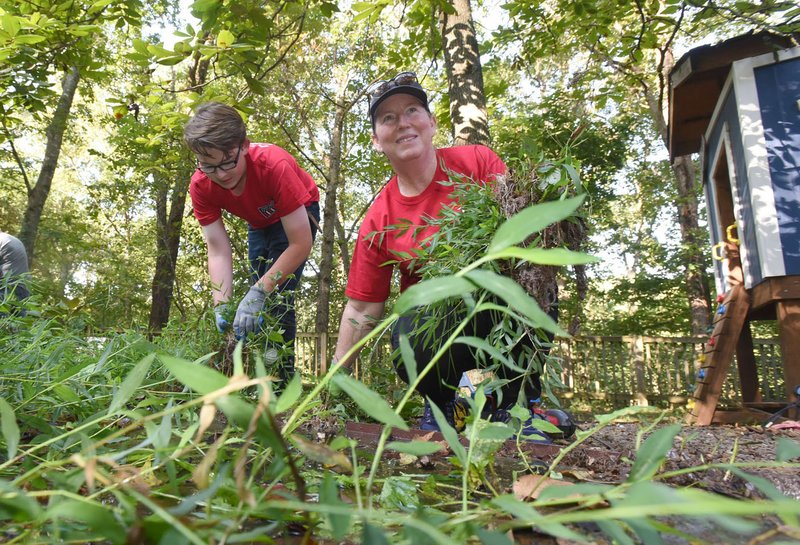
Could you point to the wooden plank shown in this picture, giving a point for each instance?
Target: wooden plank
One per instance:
(708, 393)
(789, 327)
(775, 289)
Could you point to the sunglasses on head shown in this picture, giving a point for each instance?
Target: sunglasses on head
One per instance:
(377, 89)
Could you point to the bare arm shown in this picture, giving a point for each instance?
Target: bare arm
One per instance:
(358, 319)
(298, 233)
(220, 260)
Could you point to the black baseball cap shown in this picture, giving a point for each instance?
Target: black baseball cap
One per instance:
(404, 82)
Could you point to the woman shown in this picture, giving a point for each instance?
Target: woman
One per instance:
(403, 129)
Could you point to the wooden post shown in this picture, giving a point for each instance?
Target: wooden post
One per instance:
(639, 372)
(746, 362)
(322, 353)
(789, 326)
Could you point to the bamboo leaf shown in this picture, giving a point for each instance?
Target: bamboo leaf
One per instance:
(409, 360)
(329, 495)
(516, 297)
(415, 448)
(374, 535)
(652, 453)
(202, 380)
(131, 383)
(430, 291)
(491, 537)
(787, 449)
(370, 402)
(238, 364)
(97, 518)
(532, 220)
(9, 427)
(290, 395)
(322, 453)
(450, 434)
(16, 505)
(558, 257)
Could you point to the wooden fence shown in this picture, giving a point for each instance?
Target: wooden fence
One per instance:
(618, 370)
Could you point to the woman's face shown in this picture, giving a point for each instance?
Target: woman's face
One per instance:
(404, 129)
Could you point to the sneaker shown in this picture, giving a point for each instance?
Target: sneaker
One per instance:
(557, 417)
(560, 419)
(528, 431)
(428, 421)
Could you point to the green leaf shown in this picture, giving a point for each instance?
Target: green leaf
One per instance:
(524, 512)
(450, 434)
(532, 220)
(131, 383)
(495, 431)
(409, 360)
(583, 489)
(652, 453)
(16, 505)
(415, 448)
(787, 449)
(558, 257)
(225, 39)
(430, 291)
(202, 6)
(170, 61)
(97, 518)
(329, 495)
(491, 537)
(202, 380)
(516, 297)
(10, 24)
(9, 427)
(290, 395)
(370, 402)
(614, 530)
(399, 493)
(29, 39)
(66, 393)
(238, 364)
(493, 352)
(373, 535)
(141, 47)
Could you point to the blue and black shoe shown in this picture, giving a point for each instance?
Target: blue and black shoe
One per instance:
(428, 421)
(526, 430)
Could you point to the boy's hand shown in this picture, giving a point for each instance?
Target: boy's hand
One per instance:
(247, 319)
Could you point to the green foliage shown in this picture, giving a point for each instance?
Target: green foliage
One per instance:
(162, 463)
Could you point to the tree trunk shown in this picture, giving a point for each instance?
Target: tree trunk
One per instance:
(330, 212)
(168, 228)
(37, 196)
(168, 238)
(464, 76)
(694, 271)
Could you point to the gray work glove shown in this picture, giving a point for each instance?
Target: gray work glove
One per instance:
(333, 388)
(219, 317)
(247, 315)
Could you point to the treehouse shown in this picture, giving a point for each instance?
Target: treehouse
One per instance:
(737, 104)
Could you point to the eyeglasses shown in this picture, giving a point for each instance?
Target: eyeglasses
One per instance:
(223, 166)
(377, 89)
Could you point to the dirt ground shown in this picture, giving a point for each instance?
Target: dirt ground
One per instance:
(606, 457)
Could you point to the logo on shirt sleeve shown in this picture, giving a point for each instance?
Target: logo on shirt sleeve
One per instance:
(268, 209)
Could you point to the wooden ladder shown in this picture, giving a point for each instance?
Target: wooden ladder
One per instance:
(729, 321)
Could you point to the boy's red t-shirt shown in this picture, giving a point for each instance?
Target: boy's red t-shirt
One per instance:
(275, 187)
(370, 275)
